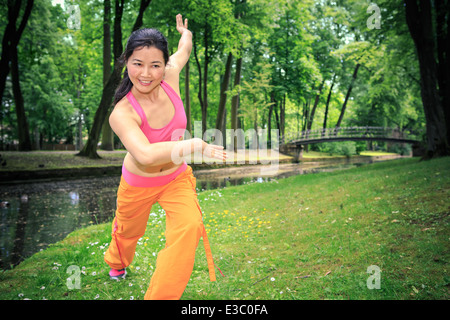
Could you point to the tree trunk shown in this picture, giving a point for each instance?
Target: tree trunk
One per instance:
(282, 115)
(90, 148)
(313, 111)
(106, 41)
(305, 114)
(277, 118)
(107, 133)
(11, 38)
(235, 102)
(341, 116)
(142, 7)
(223, 94)
(200, 81)
(269, 120)
(187, 98)
(328, 103)
(443, 52)
(419, 20)
(22, 123)
(205, 83)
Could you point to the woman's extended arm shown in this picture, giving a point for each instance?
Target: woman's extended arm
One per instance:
(154, 154)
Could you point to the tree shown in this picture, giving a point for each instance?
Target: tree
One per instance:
(107, 133)
(240, 8)
(90, 148)
(254, 93)
(215, 31)
(11, 38)
(434, 75)
(295, 71)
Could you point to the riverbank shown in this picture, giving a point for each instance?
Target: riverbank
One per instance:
(375, 232)
(21, 167)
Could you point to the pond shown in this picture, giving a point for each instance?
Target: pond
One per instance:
(34, 215)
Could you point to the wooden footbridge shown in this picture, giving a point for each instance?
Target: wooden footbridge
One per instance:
(299, 139)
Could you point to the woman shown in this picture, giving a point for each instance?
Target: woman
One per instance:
(149, 119)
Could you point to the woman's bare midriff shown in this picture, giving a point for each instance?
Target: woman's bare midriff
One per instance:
(153, 171)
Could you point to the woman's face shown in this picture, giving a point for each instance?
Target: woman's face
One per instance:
(146, 68)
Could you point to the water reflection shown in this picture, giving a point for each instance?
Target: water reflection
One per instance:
(37, 214)
(233, 176)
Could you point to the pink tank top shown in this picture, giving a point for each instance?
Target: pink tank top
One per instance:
(174, 130)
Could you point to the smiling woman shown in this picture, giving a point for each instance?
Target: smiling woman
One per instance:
(150, 39)
(149, 119)
(147, 79)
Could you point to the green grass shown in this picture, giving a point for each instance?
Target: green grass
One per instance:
(377, 153)
(304, 237)
(44, 160)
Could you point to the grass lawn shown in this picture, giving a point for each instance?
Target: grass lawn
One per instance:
(44, 160)
(304, 237)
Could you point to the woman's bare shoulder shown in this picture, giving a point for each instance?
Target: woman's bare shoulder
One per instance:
(123, 110)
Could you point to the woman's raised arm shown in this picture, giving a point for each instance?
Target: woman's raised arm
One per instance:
(181, 56)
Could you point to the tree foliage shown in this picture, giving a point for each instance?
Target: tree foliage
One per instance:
(285, 64)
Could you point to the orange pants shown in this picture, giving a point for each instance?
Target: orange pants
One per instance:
(184, 228)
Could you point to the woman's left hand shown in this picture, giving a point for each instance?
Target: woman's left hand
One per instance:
(181, 27)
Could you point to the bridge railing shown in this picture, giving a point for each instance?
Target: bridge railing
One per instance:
(352, 132)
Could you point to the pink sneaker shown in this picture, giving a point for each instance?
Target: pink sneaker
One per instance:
(117, 274)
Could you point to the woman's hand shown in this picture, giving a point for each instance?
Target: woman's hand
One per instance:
(182, 27)
(184, 148)
(214, 151)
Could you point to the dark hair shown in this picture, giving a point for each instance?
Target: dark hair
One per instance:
(146, 37)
